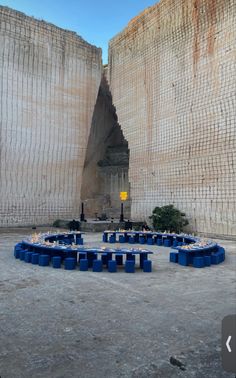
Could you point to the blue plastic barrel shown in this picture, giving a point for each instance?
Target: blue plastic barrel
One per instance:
(97, 265)
(112, 266)
(35, 258)
(147, 266)
(56, 262)
(174, 257)
(22, 255)
(44, 260)
(198, 262)
(70, 263)
(129, 266)
(28, 256)
(83, 265)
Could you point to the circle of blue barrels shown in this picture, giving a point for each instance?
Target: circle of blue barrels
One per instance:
(43, 255)
(197, 256)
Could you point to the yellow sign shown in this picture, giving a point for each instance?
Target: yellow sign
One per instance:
(123, 196)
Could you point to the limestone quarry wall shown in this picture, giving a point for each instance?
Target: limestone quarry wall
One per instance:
(102, 181)
(172, 75)
(49, 80)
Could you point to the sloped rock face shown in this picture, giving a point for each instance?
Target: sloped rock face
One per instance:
(173, 79)
(107, 160)
(49, 80)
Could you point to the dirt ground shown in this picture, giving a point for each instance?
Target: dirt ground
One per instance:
(58, 323)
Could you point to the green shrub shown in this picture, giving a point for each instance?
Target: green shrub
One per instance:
(168, 218)
(57, 223)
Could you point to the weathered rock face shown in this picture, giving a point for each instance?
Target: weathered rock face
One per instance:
(172, 75)
(107, 160)
(49, 80)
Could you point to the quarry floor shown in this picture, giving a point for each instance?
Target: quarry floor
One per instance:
(57, 323)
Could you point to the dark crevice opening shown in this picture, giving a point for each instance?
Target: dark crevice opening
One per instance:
(106, 164)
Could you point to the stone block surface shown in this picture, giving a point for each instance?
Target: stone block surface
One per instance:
(172, 76)
(49, 80)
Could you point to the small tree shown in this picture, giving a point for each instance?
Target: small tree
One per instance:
(168, 218)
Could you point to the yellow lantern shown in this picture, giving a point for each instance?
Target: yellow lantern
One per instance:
(123, 196)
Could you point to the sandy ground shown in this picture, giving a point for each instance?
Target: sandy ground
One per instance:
(57, 323)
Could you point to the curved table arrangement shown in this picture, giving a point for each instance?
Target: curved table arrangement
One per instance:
(147, 237)
(58, 248)
(198, 254)
(190, 250)
(55, 249)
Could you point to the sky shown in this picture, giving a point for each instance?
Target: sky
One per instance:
(97, 21)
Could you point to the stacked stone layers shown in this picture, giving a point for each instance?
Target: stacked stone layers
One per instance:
(49, 80)
(172, 74)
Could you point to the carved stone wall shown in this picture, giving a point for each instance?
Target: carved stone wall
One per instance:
(172, 75)
(49, 80)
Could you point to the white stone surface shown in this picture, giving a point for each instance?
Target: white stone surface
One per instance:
(172, 74)
(49, 80)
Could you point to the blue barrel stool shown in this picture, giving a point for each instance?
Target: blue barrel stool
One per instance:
(71, 238)
(175, 243)
(28, 256)
(80, 241)
(56, 262)
(142, 240)
(167, 242)
(221, 253)
(91, 256)
(112, 239)
(207, 260)
(159, 241)
(82, 255)
(44, 260)
(104, 238)
(70, 263)
(174, 257)
(35, 258)
(191, 257)
(183, 258)
(129, 266)
(22, 255)
(18, 247)
(131, 240)
(17, 253)
(104, 258)
(122, 239)
(215, 258)
(119, 258)
(83, 266)
(112, 266)
(198, 262)
(142, 257)
(97, 265)
(150, 241)
(147, 266)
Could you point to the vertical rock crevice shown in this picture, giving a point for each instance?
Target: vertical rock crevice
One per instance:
(106, 165)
